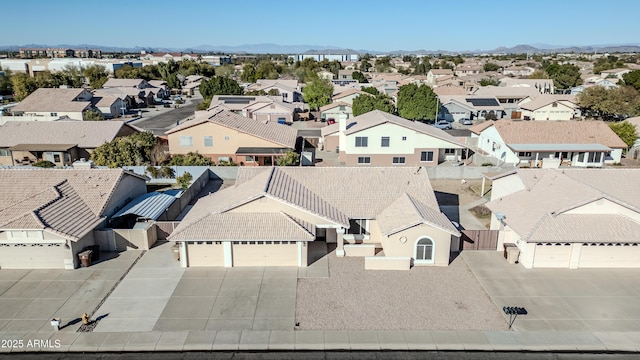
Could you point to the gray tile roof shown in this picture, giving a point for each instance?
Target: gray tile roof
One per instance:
(586, 228)
(271, 131)
(63, 201)
(122, 83)
(54, 100)
(274, 226)
(86, 134)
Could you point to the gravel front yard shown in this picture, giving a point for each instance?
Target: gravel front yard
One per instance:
(424, 298)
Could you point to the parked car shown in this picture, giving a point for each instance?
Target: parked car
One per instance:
(443, 124)
(465, 121)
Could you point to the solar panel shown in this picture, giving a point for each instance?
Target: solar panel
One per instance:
(483, 102)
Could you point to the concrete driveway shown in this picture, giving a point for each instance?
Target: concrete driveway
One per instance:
(29, 299)
(159, 295)
(561, 299)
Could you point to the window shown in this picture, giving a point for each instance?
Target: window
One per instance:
(426, 156)
(224, 158)
(5, 152)
(384, 141)
(562, 155)
(342, 108)
(226, 138)
(362, 141)
(250, 158)
(54, 114)
(424, 251)
(524, 154)
(449, 151)
(186, 141)
(364, 160)
(594, 157)
(398, 160)
(56, 158)
(404, 138)
(581, 157)
(208, 141)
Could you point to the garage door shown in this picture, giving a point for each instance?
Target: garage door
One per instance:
(33, 256)
(554, 255)
(265, 253)
(609, 255)
(205, 253)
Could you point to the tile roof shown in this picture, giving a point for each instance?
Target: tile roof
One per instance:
(270, 131)
(538, 213)
(377, 117)
(553, 132)
(122, 83)
(334, 105)
(330, 129)
(316, 190)
(54, 100)
(505, 92)
(441, 71)
(119, 91)
(63, 201)
(407, 212)
(85, 134)
(349, 92)
(542, 100)
(274, 226)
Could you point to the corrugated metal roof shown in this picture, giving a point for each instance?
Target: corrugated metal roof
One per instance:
(149, 206)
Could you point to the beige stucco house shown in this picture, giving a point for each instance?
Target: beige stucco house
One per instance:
(378, 138)
(224, 135)
(335, 110)
(47, 104)
(273, 216)
(48, 216)
(550, 107)
(571, 218)
(263, 108)
(61, 142)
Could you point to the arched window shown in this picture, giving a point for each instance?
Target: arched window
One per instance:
(424, 251)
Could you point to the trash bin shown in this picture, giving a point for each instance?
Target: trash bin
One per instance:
(95, 255)
(506, 246)
(512, 254)
(85, 258)
(176, 252)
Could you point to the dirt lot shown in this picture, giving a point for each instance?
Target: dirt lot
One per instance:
(426, 298)
(454, 192)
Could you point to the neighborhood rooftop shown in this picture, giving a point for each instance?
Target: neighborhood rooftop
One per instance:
(54, 100)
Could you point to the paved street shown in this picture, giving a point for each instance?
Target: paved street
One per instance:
(166, 119)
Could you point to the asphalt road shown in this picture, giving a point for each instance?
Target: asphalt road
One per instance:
(160, 123)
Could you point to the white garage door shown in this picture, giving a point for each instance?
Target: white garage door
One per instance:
(33, 256)
(554, 255)
(265, 253)
(205, 253)
(609, 255)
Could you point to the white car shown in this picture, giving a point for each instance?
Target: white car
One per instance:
(465, 121)
(443, 124)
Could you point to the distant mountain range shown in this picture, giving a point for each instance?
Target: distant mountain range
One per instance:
(318, 49)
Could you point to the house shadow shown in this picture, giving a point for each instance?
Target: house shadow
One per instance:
(447, 199)
(318, 250)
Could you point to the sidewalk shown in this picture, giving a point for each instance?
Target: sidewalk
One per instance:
(324, 340)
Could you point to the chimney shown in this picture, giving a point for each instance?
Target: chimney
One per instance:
(342, 120)
(342, 138)
(82, 164)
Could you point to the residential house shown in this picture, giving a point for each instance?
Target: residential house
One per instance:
(280, 216)
(508, 97)
(549, 107)
(46, 104)
(151, 91)
(468, 69)
(192, 83)
(289, 89)
(334, 110)
(614, 73)
(378, 138)
(569, 218)
(608, 83)
(110, 106)
(434, 74)
(223, 135)
(326, 75)
(131, 96)
(261, 108)
(61, 142)
(47, 216)
(348, 96)
(544, 86)
(549, 143)
(456, 107)
(634, 151)
(518, 71)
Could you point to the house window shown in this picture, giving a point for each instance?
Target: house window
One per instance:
(208, 141)
(426, 156)
(224, 158)
(54, 114)
(56, 158)
(581, 157)
(398, 160)
(404, 138)
(424, 250)
(186, 141)
(594, 157)
(524, 154)
(5, 152)
(226, 138)
(362, 141)
(449, 151)
(384, 142)
(364, 160)
(342, 108)
(250, 158)
(562, 155)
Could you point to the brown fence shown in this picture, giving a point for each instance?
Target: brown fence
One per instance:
(479, 239)
(165, 228)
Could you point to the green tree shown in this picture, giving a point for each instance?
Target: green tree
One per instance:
(417, 102)
(318, 93)
(96, 74)
(219, 85)
(169, 71)
(184, 180)
(383, 64)
(422, 66)
(610, 104)
(488, 82)
(266, 70)
(93, 115)
(167, 172)
(248, 73)
(538, 74)
(365, 66)
(6, 87)
(131, 150)
(364, 103)
(153, 171)
(491, 67)
(357, 75)
(290, 158)
(23, 85)
(225, 70)
(371, 90)
(632, 79)
(564, 76)
(190, 159)
(626, 131)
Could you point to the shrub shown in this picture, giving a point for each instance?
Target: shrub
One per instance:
(167, 105)
(184, 180)
(45, 164)
(487, 164)
(480, 211)
(151, 106)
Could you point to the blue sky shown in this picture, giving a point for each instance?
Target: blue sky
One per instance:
(372, 25)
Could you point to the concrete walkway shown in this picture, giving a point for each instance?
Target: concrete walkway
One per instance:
(325, 340)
